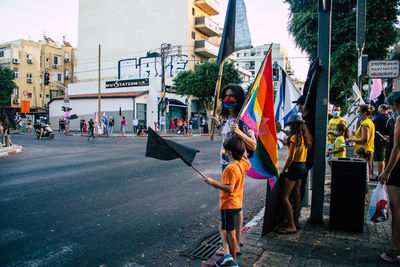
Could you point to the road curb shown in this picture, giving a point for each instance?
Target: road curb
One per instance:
(16, 150)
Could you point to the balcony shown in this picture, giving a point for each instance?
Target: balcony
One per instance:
(206, 26)
(205, 48)
(211, 7)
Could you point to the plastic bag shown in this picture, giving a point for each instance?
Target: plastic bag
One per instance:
(378, 211)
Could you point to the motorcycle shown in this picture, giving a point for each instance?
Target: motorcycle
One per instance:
(47, 131)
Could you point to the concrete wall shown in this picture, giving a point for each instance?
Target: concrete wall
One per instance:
(126, 29)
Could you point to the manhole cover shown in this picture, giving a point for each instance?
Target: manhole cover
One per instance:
(207, 247)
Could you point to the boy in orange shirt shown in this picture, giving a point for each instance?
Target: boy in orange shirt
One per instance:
(231, 194)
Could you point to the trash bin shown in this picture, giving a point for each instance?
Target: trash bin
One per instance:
(349, 177)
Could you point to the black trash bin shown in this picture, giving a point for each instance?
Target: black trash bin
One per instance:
(349, 177)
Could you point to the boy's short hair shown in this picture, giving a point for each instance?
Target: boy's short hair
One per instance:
(236, 146)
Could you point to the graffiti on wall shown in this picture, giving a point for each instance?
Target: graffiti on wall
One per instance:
(146, 67)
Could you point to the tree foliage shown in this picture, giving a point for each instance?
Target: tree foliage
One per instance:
(201, 83)
(6, 84)
(381, 20)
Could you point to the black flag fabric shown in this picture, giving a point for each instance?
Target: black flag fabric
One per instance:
(163, 149)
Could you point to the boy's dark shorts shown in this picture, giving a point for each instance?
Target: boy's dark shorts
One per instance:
(379, 153)
(228, 219)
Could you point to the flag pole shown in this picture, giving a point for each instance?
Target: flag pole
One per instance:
(216, 99)
(252, 89)
(198, 171)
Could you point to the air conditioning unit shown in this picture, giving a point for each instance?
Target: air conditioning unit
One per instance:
(55, 66)
(66, 77)
(16, 101)
(29, 60)
(66, 59)
(16, 60)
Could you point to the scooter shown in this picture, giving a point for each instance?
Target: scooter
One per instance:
(47, 131)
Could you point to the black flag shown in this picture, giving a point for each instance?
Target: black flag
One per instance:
(162, 149)
(120, 112)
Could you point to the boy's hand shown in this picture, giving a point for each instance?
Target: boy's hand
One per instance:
(234, 127)
(209, 181)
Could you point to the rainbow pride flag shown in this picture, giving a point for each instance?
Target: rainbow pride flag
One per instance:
(258, 114)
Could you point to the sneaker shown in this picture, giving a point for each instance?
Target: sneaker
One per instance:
(234, 264)
(224, 261)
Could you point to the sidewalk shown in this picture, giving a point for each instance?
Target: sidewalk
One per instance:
(7, 151)
(315, 245)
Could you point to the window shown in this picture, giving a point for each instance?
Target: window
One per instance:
(2, 53)
(57, 77)
(193, 11)
(47, 96)
(16, 75)
(47, 59)
(194, 59)
(238, 54)
(253, 53)
(57, 60)
(246, 54)
(193, 35)
(15, 92)
(258, 53)
(29, 75)
(265, 53)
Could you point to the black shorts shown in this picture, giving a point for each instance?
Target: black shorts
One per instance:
(394, 178)
(296, 171)
(379, 152)
(228, 219)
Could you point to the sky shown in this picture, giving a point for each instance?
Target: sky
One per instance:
(31, 19)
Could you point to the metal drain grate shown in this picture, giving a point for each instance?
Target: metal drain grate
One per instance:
(207, 247)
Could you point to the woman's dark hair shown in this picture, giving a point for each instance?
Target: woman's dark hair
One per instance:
(236, 146)
(299, 129)
(343, 128)
(394, 98)
(367, 109)
(239, 96)
(363, 153)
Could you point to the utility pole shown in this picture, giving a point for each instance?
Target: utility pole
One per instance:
(321, 110)
(166, 49)
(99, 114)
(360, 38)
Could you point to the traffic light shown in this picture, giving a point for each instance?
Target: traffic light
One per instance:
(46, 78)
(275, 74)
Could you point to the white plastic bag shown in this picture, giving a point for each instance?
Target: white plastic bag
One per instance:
(378, 211)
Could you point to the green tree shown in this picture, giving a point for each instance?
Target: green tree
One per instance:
(381, 20)
(7, 85)
(201, 83)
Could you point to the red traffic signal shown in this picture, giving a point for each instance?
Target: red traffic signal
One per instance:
(46, 78)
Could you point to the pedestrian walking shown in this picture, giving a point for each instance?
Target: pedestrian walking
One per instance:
(231, 195)
(391, 176)
(123, 125)
(191, 126)
(135, 124)
(110, 126)
(294, 172)
(105, 125)
(91, 129)
(1, 133)
(82, 124)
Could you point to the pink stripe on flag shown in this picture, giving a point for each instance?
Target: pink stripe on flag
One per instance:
(376, 89)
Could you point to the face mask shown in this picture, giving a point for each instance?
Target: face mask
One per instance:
(335, 132)
(229, 103)
(336, 114)
(358, 116)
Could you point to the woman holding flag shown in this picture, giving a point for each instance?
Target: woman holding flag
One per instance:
(233, 100)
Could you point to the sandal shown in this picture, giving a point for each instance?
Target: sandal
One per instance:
(389, 256)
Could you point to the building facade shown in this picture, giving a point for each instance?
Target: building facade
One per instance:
(29, 61)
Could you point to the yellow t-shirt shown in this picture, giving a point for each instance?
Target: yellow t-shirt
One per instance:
(369, 146)
(338, 142)
(332, 126)
(301, 151)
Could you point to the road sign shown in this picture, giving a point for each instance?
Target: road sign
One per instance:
(162, 120)
(66, 99)
(25, 93)
(383, 69)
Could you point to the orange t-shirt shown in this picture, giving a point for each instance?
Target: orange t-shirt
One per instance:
(234, 174)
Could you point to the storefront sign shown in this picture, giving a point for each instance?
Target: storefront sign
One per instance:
(127, 83)
(25, 106)
(383, 69)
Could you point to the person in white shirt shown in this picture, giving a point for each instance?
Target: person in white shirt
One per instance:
(135, 124)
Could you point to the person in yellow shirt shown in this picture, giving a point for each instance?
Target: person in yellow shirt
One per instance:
(294, 171)
(365, 134)
(338, 150)
(331, 131)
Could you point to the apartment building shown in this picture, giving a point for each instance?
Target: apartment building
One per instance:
(29, 60)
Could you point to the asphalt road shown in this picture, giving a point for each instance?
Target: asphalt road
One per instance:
(74, 202)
